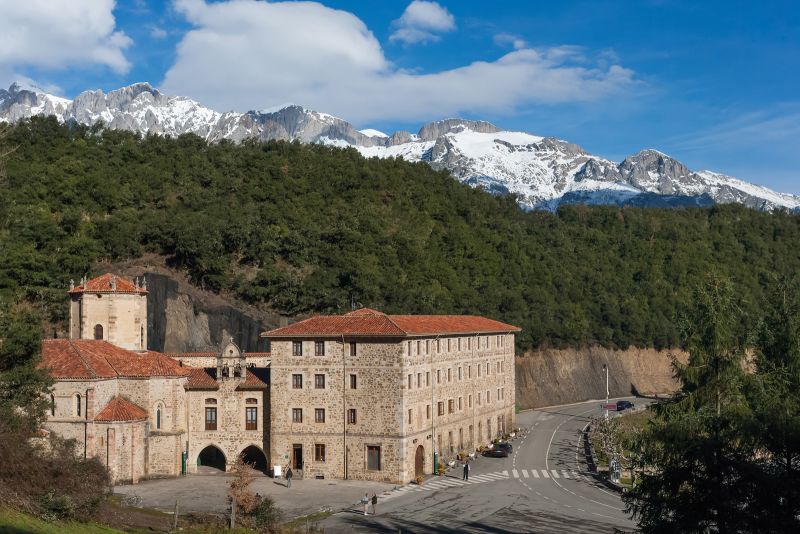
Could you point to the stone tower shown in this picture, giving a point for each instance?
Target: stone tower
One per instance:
(110, 308)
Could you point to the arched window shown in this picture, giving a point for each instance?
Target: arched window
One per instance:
(158, 418)
(78, 405)
(98, 331)
(52, 405)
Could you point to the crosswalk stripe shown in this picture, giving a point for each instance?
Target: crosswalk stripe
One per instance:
(535, 473)
(505, 473)
(545, 474)
(516, 474)
(525, 473)
(555, 474)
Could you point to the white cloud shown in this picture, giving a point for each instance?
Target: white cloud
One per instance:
(421, 21)
(56, 34)
(248, 54)
(506, 39)
(157, 32)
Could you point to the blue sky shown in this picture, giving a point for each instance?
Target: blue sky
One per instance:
(714, 84)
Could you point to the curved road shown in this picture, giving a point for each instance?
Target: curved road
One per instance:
(542, 487)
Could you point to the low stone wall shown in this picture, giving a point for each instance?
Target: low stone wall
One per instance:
(547, 377)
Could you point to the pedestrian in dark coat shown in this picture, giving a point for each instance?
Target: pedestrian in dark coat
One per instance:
(374, 502)
(466, 470)
(289, 477)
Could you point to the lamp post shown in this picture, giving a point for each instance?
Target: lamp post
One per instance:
(605, 368)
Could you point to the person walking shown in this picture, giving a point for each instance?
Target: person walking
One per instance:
(374, 502)
(365, 502)
(466, 470)
(288, 477)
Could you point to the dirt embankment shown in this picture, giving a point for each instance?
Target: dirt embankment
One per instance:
(549, 376)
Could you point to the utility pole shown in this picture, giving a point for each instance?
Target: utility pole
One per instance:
(605, 368)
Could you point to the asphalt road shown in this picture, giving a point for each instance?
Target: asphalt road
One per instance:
(543, 487)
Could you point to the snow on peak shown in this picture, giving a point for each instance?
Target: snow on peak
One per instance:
(369, 132)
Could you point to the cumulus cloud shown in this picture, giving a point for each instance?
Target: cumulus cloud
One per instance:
(421, 22)
(56, 34)
(506, 39)
(248, 54)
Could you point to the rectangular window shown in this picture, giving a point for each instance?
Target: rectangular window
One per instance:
(297, 381)
(438, 346)
(373, 458)
(297, 415)
(427, 378)
(469, 401)
(459, 344)
(460, 400)
(479, 398)
(211, 418)
(440, 406)
(469, 371)
(459, 373)
(469, 343)
(353, 382)
(351, 416)
(409, 416)
(319, 381)
(419, 380)
(487, 368)
(319, 348)
(449, 375)
(251, 418)
(438, 376)
(409, 381)
(427, 411)
(319, 415)
(450, 406)
(419, 347)
(488, 396)
(353, 350)
(408, 348)
(479, 370)
(297, 348)
(448, 344)
(427, 346)
(319, 452)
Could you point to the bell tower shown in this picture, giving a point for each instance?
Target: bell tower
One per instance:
(110, 308)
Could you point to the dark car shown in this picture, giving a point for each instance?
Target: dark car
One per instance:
(496, 453)
(624, 405)
(505, 446)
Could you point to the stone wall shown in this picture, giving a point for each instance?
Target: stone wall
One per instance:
(123, 317)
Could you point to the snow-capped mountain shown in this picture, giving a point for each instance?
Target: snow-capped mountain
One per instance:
(543, 171)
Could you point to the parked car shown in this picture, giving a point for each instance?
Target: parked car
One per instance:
(496, 453)
(505, 446)
(624, 405)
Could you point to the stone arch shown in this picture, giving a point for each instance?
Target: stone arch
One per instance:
(254, 456)
(212, 456)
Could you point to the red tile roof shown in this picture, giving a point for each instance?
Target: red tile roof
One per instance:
(212, 354)
(121, 409)
(367, 322)
(202, 378)
(108, 283)
(89, 358)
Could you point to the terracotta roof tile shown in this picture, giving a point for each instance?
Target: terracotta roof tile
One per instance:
(369, 322)
(121, 409)
(212, 354)
(202, 378)
(108, 283)
(89, 358)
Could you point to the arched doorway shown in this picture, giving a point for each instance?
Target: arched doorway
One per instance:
(252, 455)
(211, 457)
(419, 462)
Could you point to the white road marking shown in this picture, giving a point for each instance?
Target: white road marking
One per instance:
(516, 474)
(555, 474)
(545, 474)
(525, 473)
(535, 473)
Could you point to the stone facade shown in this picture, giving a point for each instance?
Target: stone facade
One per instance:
(411, 398)
(360, 396)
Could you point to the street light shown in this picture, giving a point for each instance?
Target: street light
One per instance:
(605, 368)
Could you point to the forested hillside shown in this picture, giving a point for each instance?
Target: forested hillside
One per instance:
(307, 228)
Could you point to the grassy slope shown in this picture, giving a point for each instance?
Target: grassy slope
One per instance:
(12, 521)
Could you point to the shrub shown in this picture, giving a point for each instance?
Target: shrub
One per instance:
(266, 515)
(419, 480)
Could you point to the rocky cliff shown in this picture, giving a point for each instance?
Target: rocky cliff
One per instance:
(548, 377)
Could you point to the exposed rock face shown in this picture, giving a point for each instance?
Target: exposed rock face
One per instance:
(549, 377)
(543, 172)
(184, 320)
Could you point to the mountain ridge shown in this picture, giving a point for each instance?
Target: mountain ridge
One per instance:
(544, 172)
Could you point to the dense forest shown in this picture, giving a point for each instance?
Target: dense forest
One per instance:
(305, 228)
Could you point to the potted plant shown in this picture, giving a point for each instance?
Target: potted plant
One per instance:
(441, 468)
(419, 480)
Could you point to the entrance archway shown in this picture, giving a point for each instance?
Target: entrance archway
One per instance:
(419, 462)
(211, 456)
(252, 455)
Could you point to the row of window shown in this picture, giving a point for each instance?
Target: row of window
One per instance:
(373, 453)
(319, 348)
(457, 344)
(78, 409)
(500, 428)
(319, 381)
(319, 415)
(499, 368)
(250, 415)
